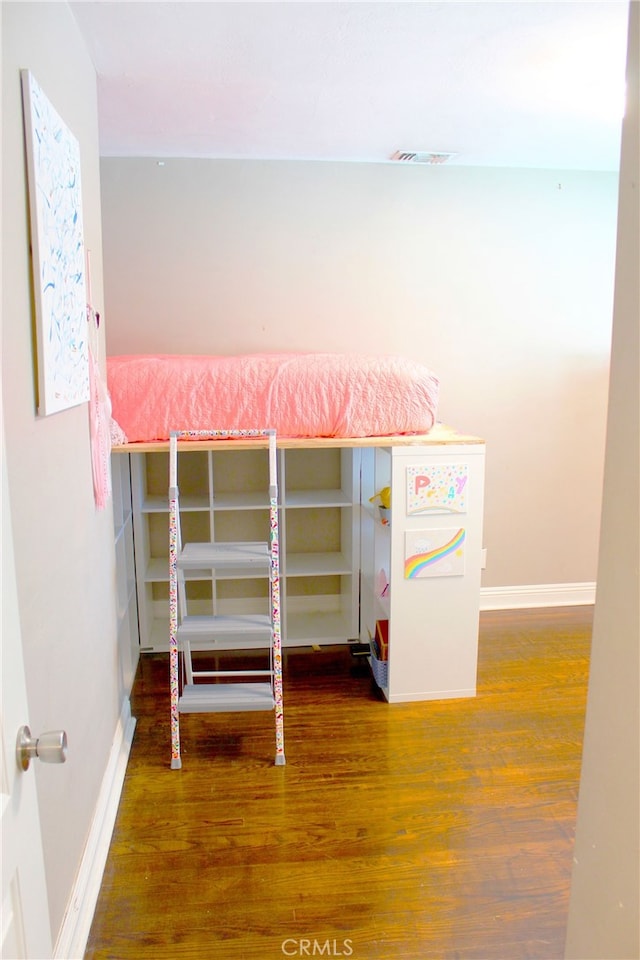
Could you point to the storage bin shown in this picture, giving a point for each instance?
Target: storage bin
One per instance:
(385, 516)
(379, 668)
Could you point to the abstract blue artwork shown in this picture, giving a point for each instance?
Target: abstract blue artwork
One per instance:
(57, 241)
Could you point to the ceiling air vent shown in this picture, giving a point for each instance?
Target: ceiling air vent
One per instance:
(411, 156)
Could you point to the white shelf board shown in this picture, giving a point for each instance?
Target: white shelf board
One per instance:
(157, 570)
(301, 499)
(159, 504)
(317, 627)
(239, 501)
(317, 564)
(224, 501)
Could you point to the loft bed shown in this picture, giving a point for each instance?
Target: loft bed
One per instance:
(312, 399)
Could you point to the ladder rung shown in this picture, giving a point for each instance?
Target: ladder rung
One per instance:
(249, 629)
(226, 697)
(228, 623)
(246, 555)
(232, 673)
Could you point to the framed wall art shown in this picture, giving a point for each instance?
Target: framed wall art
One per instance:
(57, 242)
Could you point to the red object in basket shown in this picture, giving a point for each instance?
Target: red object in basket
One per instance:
(382, 639)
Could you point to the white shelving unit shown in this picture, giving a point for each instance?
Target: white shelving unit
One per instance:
(333, 547)
(431, 602)
(127, 609)
(222, 497)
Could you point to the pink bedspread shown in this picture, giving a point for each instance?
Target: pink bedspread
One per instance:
(298, 395)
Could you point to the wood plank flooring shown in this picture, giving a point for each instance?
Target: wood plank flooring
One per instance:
(423, 831)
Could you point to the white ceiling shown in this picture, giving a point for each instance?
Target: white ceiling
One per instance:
(534, 84)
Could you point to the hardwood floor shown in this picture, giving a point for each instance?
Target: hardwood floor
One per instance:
(414, 831)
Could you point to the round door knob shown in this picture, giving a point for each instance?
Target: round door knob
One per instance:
(50, 747)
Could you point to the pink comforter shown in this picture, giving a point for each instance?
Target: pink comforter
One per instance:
(298, 395)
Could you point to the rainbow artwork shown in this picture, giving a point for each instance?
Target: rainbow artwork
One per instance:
(437, 488)
(434, 553)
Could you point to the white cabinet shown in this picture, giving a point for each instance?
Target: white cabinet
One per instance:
(336, 556)
(127, 609)
(222, 497)
(421, 571)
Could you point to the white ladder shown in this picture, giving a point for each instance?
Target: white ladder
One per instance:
(219, 632)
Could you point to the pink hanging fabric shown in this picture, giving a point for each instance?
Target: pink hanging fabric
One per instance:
(100, 434)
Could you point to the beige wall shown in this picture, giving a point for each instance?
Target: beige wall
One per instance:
(500, 280)
(604, 918)
(63, 546)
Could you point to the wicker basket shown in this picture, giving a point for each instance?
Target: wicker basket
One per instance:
(380, 669)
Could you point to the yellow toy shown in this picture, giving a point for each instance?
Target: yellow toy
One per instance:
(382, 497)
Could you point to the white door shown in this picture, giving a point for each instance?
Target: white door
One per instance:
(25, 912)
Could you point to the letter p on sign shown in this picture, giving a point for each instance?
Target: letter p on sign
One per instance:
(421, 482)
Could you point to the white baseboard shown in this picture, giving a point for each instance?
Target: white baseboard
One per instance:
(537, 595)
(76, 925)
(434, 695)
